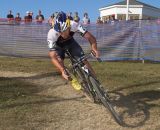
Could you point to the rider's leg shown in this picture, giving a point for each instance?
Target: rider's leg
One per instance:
(59, 63)
(77, 52)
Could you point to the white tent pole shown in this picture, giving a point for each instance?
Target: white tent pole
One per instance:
(127, 12)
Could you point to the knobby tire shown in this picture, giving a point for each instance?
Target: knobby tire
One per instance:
(104, 99)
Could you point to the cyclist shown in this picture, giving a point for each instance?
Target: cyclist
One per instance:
(60, 37)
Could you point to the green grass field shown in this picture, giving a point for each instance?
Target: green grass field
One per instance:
(24, 102)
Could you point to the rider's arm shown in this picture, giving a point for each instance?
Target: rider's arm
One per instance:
(87, 35)
(92, 41)
(52, 38)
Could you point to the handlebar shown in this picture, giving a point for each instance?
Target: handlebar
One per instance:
(86, 57)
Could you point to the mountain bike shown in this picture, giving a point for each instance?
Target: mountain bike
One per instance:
(90, 84)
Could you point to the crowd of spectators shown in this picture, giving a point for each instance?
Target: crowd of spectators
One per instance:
(28, 18)
(86, 19)
(110, 20)
(39, 18)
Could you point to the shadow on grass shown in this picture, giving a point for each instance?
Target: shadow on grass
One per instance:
(18, 80)
(45, 100)
(136, 106)
(15, 92)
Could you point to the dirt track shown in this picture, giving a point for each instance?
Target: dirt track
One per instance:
(67, 109)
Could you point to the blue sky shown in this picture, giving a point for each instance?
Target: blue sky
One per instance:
(50, 6)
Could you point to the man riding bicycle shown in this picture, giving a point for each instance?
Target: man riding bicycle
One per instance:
(60, 37)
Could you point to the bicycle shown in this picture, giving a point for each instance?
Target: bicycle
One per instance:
(90, 84)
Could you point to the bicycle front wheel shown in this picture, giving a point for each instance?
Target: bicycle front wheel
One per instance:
(82, 79)
(104, 99)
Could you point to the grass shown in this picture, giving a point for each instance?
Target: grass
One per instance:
(25, 65)
(22, 107)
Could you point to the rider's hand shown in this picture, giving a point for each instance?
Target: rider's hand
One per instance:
(65, 75)
(96, 53)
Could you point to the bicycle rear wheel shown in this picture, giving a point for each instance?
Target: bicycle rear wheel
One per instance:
(104, 99)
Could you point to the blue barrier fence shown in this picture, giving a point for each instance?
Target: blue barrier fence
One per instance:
(131, 40)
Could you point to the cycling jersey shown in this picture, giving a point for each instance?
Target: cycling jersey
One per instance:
(54, 38)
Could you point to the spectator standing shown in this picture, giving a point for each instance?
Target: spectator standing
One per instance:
(99, 21)
(28, 17)
(86, 19)
(17, 18)
(31, 15)
(40, 17)
(10, 17)
(51, 20)
(76, 18)
(113, 21)
(69, 16)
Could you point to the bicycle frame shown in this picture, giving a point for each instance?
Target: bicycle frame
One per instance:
(79, 67)
(78, 62)
(92, 85)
